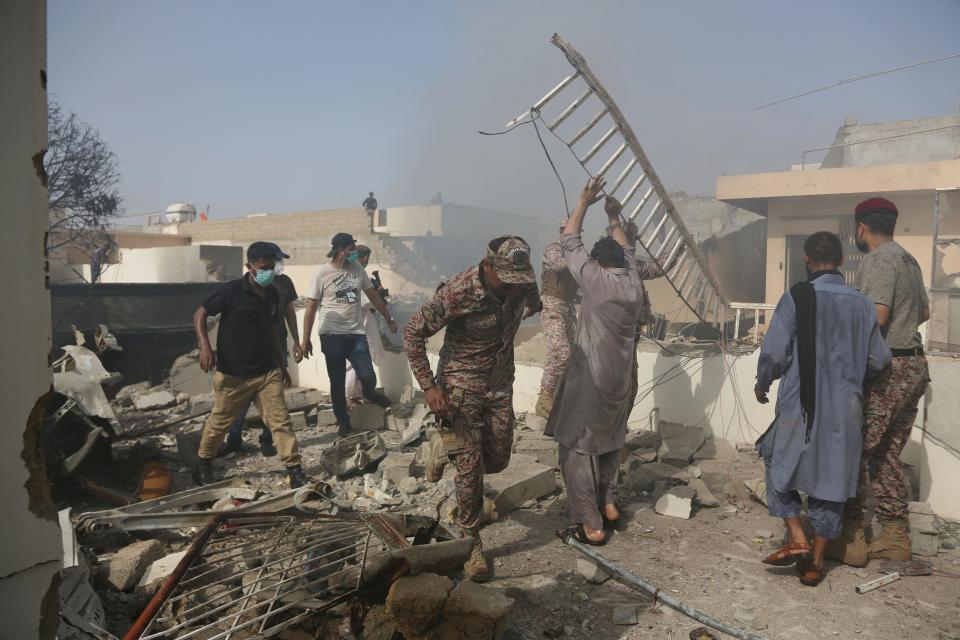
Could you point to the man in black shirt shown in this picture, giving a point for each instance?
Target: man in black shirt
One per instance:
(248, 361)
(370, 204)
(287, 318)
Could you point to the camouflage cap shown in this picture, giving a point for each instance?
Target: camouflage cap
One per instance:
(512, 260)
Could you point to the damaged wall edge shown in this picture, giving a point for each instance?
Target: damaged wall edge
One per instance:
(31, 556)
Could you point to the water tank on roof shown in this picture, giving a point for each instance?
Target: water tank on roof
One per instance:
(181, 212)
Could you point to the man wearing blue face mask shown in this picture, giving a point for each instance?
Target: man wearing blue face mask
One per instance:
(249, 362)
(335, 292)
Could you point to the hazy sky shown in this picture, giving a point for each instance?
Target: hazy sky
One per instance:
(284, 106)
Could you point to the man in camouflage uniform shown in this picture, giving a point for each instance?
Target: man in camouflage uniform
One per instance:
(557, 317)
(472, 392)
(891, 277)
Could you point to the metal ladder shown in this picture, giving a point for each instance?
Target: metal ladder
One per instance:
(662, 233)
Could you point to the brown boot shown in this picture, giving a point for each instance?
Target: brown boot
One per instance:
(544, 404)
(477, 568)
(438, 459)
(851, 547)
(893, 542)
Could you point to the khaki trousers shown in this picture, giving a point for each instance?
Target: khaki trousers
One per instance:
(231, 395)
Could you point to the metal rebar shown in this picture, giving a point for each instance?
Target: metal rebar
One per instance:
(659, 596)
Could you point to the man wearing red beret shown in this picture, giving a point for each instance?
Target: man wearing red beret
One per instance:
(891, 277)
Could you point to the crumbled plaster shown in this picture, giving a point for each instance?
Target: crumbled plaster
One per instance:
(37, 484)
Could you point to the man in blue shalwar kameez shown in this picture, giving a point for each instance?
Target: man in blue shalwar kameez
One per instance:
(822, 342)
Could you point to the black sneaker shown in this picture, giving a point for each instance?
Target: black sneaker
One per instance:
(203, 472)
(267, 449)
(230, 446)
(297, 477)
(379, 399)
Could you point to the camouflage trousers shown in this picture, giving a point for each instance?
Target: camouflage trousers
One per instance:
(478, 439)
(557, 318)
(889, 411)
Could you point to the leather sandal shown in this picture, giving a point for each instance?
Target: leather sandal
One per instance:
(789, 554)
(576, 532)
(809, 574)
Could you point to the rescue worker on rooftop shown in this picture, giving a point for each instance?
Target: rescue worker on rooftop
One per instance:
(472, 392)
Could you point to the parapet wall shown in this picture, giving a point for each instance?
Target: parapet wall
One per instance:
(281, 226)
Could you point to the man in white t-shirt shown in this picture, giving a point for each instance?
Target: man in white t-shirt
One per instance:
(335, 291)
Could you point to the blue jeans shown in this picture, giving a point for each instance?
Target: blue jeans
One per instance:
(337, 349)
(235, 435)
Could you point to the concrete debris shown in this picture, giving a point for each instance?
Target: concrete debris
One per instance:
(123, 570)
(704, 497)
(694, 471)
(201, 402)
(415, 603)
(758, 490)
(643, 440)
(679, 444)
(519, 482)
(81, 612)
(153, 400)
(368, 416)
(591, 571)
(411, 434)
(475, 612)
(535, 422)
(186, 376)
(626, 614)
(157, 572)
(676, 503)
(397, 467)
(409, 486)
(353, 454)
(542, 449)
(644, 454)
(924, 532)
(126, 394)
(645, 477)
(326, 418)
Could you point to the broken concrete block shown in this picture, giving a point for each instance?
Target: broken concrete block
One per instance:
(407, 395)
(299, 397)
(626, 614)
(326, 418)
(476, 612)
(758, 489)
(704, 497)
(645, 454)
(676, 503)
(415, 603)
(409, 486)
(591, 571)
(646, 476)
(694, 471)
(543, 448)
(397, 467)
(367, 416)
(924, 532)
(719, 484)
(679, 444)
(186, 375)
(642, 440)
(423, 453)
(535, 422)
(396, 423)
(126, 394)
(158, 571)
(411, 434)
(519, 482)
(126, 566)
(201, 402)
(153, 400)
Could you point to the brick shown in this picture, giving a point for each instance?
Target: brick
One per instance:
(518, 483)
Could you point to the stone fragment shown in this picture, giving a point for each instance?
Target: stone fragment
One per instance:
(423, 453)
(766, 534)
(535, 422)
(415, 602)
(626, 614)
(396, 423)
(299, 397)
(397, 467)
(153, 400)
(186, 376)
(158, 571)
(646, 476)
(127, 565)
(676, 503)
(411, 434)
(476, 612)
(591, 571)
(367, 416)
(519, 482)
(694, 471)
(201, 402)
(645, 454)
(126, 394)
(704, 497)
(924, 533)
(542, 448)
(719, 484)
(679, 444)
(409, 486)
(758, 489)
(407, 395)
(326, 418)
(642, 440)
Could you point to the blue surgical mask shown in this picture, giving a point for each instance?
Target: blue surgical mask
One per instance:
(353, 256)
(264, 277)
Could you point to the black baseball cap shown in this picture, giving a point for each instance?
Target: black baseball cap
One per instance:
(260, 250)
(340, 241)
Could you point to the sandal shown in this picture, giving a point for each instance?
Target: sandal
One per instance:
(576, 532)
(810, 575)
(789, 554)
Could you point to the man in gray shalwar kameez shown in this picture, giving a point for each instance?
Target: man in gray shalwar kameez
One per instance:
(822, 342)
(589, 417)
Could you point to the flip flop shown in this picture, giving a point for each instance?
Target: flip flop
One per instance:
(576, 532)
(789, 554)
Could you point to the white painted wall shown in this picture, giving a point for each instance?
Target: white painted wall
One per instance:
(32, 552)
(411, 221)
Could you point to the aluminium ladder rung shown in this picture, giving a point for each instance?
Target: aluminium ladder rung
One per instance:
(545, 99)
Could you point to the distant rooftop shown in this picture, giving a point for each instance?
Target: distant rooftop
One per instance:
(899, 142)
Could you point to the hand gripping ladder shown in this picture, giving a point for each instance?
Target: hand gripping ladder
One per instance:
(662, 233)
